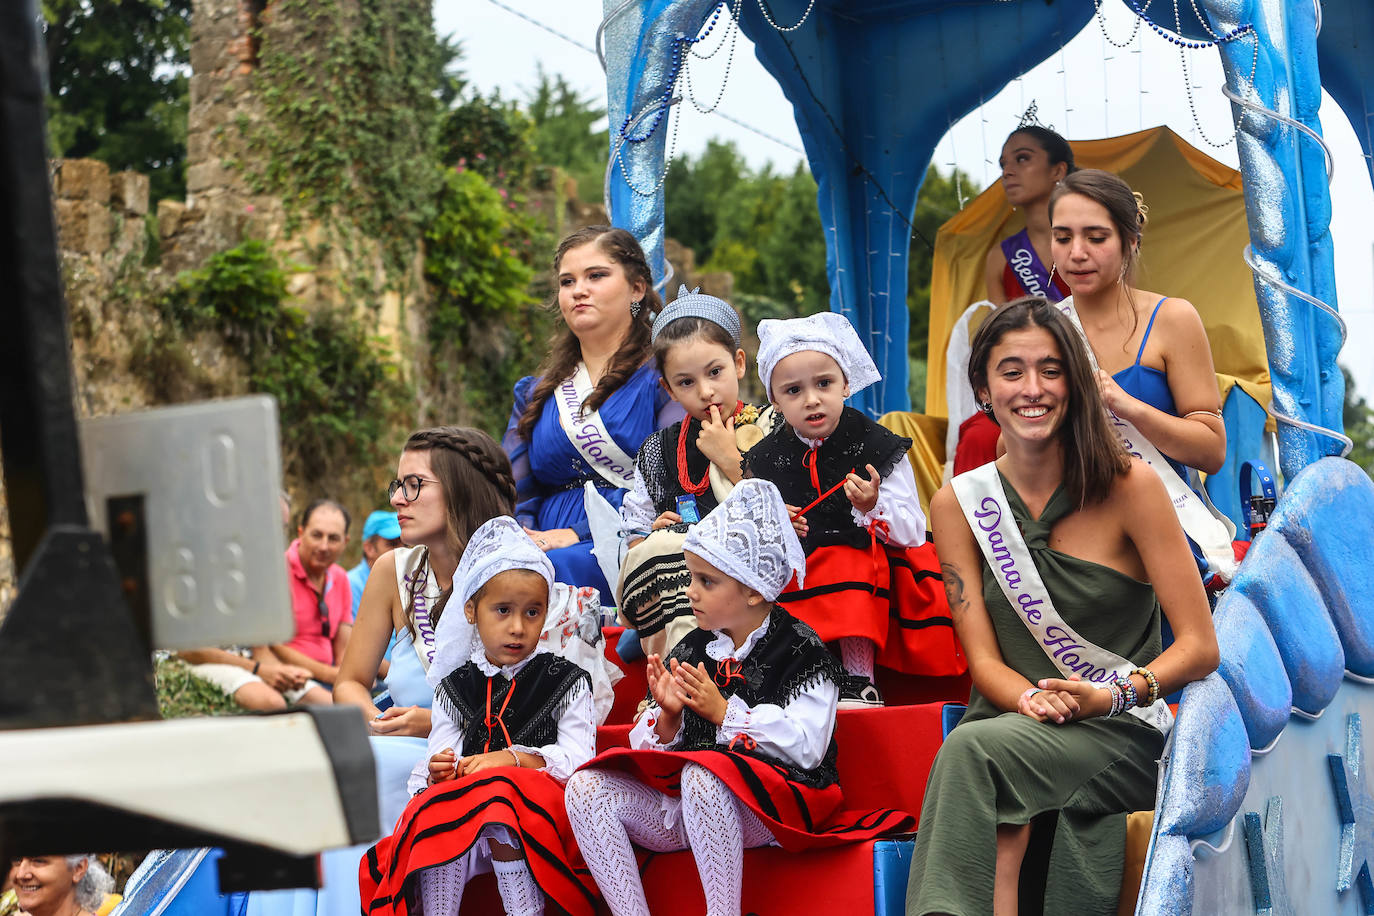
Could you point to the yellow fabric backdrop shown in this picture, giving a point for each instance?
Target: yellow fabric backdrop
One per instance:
(1192, 248)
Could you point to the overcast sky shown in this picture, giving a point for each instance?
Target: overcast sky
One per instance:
(503, 48)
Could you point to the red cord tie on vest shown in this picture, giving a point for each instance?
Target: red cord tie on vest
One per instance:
(744, 740)
(492, 721)
(727, 670)
(809, 462)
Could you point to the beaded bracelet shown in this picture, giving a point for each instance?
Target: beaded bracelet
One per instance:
(1152, 681)
(1118, 700)
(1132, 700)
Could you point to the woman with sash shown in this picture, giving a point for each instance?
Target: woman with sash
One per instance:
(1033, 161)
(1151, 359)
(582, 418)
(1057, 558)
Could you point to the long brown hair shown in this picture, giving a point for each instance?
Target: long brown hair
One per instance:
(565, 352)
(1127, 211)
(1093, 456)
(478, 486)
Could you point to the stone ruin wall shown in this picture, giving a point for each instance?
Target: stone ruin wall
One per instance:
(102, 231)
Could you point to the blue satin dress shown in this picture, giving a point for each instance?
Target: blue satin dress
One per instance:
(1145, 383)
(550, 472)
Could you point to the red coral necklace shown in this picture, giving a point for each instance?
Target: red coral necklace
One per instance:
(683, 478)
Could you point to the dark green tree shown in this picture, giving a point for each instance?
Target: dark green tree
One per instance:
(698, 192)
(566, 135)
(1358, 417)
(117, 85)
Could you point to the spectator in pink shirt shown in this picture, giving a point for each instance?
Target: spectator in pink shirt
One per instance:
(320, 598)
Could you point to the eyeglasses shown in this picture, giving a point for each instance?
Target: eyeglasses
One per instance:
(409, 485)
(324, 615)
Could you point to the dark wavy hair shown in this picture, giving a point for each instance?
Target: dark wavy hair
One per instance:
(564, 349)
(689, 327)
(1093, 456)
(1055, 146)
(479, 485)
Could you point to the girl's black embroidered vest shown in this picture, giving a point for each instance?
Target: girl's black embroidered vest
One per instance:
(657, 462)
(540, 695)
(788, 659)
(857, 442)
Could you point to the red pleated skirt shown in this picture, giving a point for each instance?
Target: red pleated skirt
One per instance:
(799, 816)
(441, 824)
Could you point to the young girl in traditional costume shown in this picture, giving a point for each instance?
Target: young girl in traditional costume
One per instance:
(684, 471)
(510, 724)
(1057, 559)
(737, 749)
(874, 581)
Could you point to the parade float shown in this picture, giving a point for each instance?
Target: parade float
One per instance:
(1264, 802)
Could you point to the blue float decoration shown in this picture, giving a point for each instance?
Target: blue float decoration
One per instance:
(1264, 846)
(1253, 669)
(874, 85)
(1356, 807)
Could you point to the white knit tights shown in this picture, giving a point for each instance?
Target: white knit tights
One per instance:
(441, 887)
(856, 654)
(610, 810)
(519, 893)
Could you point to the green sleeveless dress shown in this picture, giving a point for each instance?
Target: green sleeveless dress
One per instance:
(1075, 782)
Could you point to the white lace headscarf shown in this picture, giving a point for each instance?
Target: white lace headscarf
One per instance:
(496, 547)
(749, 537)
(824, 332)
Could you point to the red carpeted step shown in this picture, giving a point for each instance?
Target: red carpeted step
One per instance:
(630, 689)
(836, 880)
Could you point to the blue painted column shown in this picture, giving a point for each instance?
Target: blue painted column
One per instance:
(1288, 205)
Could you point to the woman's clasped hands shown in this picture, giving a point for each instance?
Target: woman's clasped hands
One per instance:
(1057, 700)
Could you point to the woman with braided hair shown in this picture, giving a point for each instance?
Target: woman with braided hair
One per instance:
(583, 416)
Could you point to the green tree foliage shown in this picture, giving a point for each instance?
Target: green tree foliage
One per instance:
(1358, 417)
(566, 135)
(352, 102)
(118, 86)
(471, 261)
(337, 390)
(490, 136)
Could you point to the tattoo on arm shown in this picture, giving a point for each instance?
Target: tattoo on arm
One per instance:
(954, 588)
